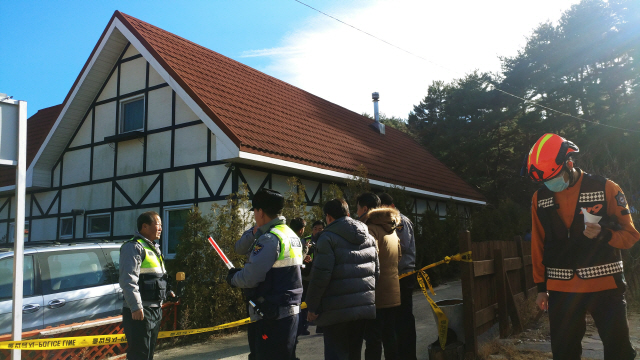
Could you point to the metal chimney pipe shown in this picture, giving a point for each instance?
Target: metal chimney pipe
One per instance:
(376, 115)
(378, 126)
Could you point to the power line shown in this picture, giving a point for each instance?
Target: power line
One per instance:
(444, 67)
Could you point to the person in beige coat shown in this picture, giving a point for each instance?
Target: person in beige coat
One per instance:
(382, 223)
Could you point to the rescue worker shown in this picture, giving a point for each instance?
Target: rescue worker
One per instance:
(272, 274)
(143, 280)
(577, 264)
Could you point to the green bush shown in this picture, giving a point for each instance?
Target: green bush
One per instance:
(208, 300)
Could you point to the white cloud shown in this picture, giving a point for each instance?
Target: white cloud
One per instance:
(345, 66)
(279, 51)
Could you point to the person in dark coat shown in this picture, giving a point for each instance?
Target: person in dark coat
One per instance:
(341, 295)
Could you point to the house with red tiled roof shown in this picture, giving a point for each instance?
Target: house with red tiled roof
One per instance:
(156, 122)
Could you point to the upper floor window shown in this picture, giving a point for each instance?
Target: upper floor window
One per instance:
(132, 114)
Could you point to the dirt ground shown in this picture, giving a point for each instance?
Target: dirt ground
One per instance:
(534, 342)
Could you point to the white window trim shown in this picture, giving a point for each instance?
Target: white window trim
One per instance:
(90, 234)
(165, 221)
(123, 102)
(73, 224)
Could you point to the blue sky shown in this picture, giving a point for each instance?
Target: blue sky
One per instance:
(46, 43)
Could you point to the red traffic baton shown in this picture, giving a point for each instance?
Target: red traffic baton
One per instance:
(220, 253)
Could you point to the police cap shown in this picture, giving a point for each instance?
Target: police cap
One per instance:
(268, 200)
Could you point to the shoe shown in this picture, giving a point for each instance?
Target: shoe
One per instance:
(306, 332)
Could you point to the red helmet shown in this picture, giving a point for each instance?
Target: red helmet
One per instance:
(547, 157)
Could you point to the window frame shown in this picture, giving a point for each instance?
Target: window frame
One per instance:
(165, 225)
(88, 223)
(73, 224)
(122, 119)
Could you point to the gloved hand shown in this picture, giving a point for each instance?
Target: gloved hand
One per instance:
(267, 310)
(230, 274)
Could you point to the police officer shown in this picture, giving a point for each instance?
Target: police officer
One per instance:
(272, 274)
(580, 222)
(143, 280)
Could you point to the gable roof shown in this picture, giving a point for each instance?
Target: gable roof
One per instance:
(38, 126)
(259, 114)
(266, 116)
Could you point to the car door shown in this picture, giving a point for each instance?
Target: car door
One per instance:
(76, 286)
(112, 253)
(32, 302)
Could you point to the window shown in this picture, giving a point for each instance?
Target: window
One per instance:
(66, 227)
(70, 270)
(6, 278)
(132, 114)
(98, 224)
(12, 232)
(173, 223)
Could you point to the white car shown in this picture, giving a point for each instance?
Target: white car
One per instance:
(64, 283)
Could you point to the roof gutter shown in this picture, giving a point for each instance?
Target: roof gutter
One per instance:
(335, 174)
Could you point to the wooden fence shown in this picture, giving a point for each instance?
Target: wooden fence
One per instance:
(493, 285)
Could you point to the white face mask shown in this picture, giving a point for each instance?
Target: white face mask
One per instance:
(558, 184)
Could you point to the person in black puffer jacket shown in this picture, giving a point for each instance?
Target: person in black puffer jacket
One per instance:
(341, 293)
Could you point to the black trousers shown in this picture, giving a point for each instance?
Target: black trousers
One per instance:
(275, 339)
(406, 322)
(380, 333)
(608, 308)
(343, 341)
(141, 334)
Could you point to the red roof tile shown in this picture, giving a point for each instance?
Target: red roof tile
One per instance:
(266, 116)
(38, 127)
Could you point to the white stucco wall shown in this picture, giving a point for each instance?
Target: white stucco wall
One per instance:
(133, 76)
(110, 89)
(179, 185)
(183, 112)
(159, 108)
(130, 156)
(43, 229)
(83, 136)
(75, 166)
(159, 151)
(89, 197)
(190, 145)
(124, 222)
(214, 175)
(105, 121)
(134, 188)
(103, 157)
(131, 51)
(45, 199)
(154, 77)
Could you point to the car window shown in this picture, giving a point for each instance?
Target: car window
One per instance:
(6, 278)
(70, 270)
(115, 257)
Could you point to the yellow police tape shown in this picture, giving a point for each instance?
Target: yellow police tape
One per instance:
(423, 278)
(99, 340)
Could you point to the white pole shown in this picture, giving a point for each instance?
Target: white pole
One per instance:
(18, 252)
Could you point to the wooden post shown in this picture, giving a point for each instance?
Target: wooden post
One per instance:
(514, 312)
(501, 289)
(523, 273)
(467, 279)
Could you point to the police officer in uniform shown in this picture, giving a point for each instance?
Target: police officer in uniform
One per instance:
(143, 280)
(576, 258)
(272, 275)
